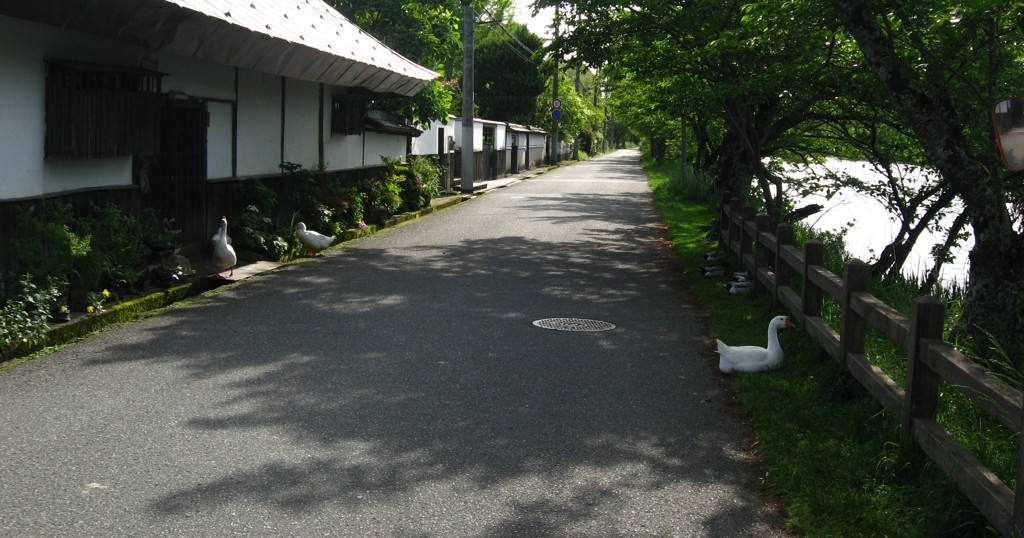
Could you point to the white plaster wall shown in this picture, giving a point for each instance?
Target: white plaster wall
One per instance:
(478, 136)
(195, 78)
(499, 137)
(538, 140)
(218, 140)
(341, 152)
(23, 48)
(426, 143)
(300, 123)
(259, 123)
(378, 144)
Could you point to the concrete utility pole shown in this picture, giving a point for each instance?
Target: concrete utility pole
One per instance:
(576, 142)
(554, 129)
(468, 24)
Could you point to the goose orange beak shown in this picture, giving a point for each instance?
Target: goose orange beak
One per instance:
(789, 323)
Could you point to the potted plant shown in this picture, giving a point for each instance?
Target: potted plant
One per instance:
(61, 314)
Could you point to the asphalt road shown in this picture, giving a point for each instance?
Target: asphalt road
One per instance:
(398, 387)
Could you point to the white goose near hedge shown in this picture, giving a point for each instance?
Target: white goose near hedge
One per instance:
(314, 241)
(224, 256)
(754, 358)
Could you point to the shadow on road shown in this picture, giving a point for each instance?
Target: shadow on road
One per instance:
(416, 378)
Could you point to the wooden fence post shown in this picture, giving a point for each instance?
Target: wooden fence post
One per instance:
(814, 254)
(1018, 492)
(927, 316)
(723, 218)
(746, 240)
(734, 231)
(762, 255)
(852, 329)
(783, 273)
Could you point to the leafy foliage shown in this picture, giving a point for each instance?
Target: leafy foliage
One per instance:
(255, 229)
(905, 82)
(507, 73)
(24, 314)
(426, 32)
(115, 253)
(839, 464)
(47, 245)
(384, 192)
(423, 182)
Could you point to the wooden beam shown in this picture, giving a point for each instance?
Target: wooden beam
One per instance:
(988, 493)
(878, 383)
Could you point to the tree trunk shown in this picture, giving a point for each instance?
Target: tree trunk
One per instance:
(895, 254)
(942, 255)
(733, 172)
(997, 259)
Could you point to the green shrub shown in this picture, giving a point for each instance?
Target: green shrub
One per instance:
(425, 174)
(116, 253)
(24, 315)
(254, 229)
(256, 192)
(383, 194)
(158, 233)
(46, 243)
(312, 198)
(356, 210)
(256, 232)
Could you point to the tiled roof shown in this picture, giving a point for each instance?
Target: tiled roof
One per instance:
(383, 122)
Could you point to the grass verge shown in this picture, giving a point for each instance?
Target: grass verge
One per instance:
(830, 453)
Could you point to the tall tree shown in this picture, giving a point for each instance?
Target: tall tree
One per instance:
(425, 31)
(508, 76)
(806, 79)
(921, 52)
(741, 67)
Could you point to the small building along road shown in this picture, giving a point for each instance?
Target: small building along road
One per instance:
(398, 386)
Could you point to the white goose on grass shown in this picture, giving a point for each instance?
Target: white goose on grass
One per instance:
(224, 256)
(314, 241)
(754, 358)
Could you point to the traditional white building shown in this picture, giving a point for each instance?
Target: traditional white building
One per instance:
(164, 102)
(499, 148)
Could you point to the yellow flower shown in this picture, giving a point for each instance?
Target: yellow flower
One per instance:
(106, 294)
(89, 309)
(63, 309)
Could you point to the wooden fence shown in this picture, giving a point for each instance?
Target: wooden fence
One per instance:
(775, 263)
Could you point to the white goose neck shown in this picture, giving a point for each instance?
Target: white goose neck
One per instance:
(773, 337)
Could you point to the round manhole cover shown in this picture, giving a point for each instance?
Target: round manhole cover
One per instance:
(573, 324)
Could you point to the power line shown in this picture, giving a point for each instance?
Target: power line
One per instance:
(511, 37)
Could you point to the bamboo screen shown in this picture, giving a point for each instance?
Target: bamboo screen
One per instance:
(101, 111)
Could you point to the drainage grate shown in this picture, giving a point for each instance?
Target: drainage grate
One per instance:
(573, 324)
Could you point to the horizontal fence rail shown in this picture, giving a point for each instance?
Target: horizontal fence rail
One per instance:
(775, 264)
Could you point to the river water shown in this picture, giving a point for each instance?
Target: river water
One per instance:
(868, 226)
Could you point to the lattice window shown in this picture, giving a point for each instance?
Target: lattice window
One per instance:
(96, 111)
(347, 113)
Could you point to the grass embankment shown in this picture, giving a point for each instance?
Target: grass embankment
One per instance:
(830, 452)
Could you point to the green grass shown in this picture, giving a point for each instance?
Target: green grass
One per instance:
(831, 453)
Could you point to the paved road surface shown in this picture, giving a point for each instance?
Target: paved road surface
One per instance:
(397, 387)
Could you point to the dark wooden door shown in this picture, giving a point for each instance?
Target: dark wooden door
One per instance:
(177, 178)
